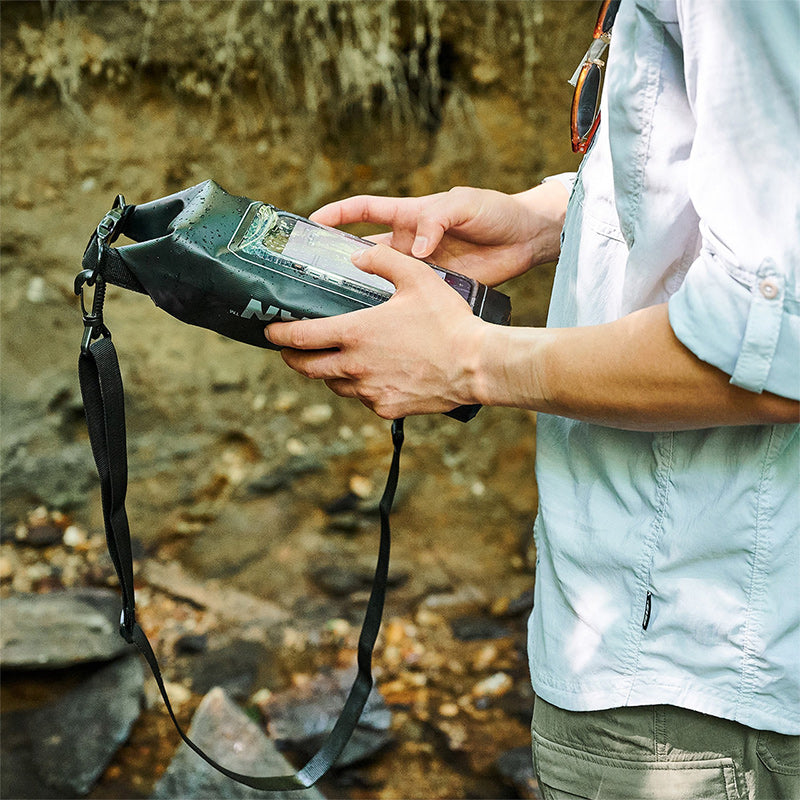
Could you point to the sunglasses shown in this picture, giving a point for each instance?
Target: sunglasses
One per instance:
(588, 81)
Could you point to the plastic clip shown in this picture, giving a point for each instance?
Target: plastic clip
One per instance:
(127, 621)
(108, 225)
(93, 325)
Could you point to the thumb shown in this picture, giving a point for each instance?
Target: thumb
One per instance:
(391, 264)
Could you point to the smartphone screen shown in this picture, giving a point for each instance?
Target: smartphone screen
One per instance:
(330, 251)
(320, 250)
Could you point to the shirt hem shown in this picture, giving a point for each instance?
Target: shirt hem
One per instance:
(701, 699)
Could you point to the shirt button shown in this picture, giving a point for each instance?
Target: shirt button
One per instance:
(769, 289)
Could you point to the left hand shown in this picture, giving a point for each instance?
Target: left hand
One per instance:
(414, 354)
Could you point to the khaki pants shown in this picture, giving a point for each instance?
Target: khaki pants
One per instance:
(659, 753)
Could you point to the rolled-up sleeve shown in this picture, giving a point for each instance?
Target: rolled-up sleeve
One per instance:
(739, 305)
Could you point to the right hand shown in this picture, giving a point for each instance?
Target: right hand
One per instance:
(484, 234)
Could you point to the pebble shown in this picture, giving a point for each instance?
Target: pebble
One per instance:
(295, 447)
(317, 414)
(361, 487)
(286, 401)
(37, 290)
(516, 767)
(6, 568)
(485, 657)
(41, 535)
(455, 733)
(478, 489)
(74, 536)
(465, 599)
(39, 516)
(494, 686)
(338, 627)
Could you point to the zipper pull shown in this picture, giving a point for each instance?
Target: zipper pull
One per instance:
(646, 619)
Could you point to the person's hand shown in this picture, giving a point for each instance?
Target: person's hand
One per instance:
(485, 234)
(413, 354)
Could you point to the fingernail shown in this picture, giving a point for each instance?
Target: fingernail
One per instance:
(358, 256)
(420, 246)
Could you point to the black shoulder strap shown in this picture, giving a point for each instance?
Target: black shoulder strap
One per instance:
(103, 398)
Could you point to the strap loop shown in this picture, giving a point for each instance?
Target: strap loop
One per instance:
(103, 398)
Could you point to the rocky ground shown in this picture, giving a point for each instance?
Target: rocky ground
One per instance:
(253, 493)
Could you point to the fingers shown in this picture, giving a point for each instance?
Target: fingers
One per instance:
(418, 223)
(333, 333)
(401, 214)
(307, 334)
(365, 208)
(449, 210)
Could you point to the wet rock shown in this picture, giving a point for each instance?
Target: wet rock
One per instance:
(38, 464)
(40, 535)
(341, 581)
(348, 522)
(233, 668)
(227, 603)
(226, 733)
(344, 503)
(516, 768)
(281, 477)
(191, 644)
(514, 607)
(472, 628)
(60, 629)
(61, 749)
(466, 599)
(301, 717)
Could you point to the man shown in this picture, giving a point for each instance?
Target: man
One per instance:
(665, 637)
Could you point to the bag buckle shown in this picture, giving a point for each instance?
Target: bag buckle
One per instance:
(109, 223)
(93, 325)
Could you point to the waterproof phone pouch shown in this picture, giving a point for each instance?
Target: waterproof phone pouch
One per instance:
(232, 264)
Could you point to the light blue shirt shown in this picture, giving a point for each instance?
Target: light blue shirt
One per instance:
(668, 564)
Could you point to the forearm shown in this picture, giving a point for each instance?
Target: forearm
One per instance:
(632, 374)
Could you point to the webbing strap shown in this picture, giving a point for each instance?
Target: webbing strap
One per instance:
(103, 398)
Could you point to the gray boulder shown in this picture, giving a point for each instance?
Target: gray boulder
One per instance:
(228, 735)
(60, 749)
(60, 629)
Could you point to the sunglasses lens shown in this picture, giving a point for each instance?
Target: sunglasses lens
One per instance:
(607, 14)
(587, 101)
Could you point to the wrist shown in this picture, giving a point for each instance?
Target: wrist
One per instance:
(546, 206)
(509, 367)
